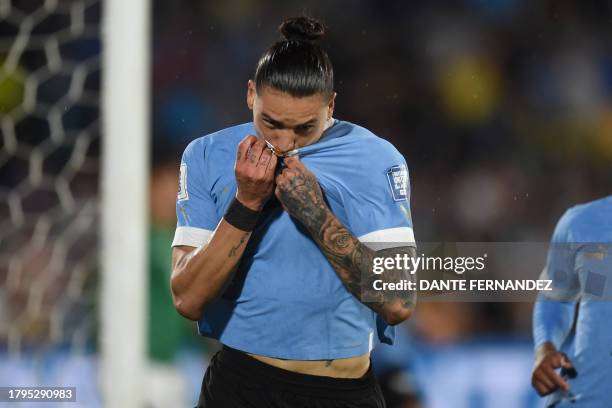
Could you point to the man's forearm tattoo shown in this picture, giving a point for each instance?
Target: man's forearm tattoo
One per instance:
(234, 249)
(351, 259)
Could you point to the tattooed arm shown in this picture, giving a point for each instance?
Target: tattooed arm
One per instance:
(299, 192)
(199, 275)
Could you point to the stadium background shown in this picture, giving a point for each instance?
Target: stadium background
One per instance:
(503, 109)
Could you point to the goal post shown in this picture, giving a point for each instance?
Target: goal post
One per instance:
(125, 154)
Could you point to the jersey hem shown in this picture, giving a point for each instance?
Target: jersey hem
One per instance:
(333, 354)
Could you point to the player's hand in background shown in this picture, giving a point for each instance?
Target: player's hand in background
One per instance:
(299, 192)
(544, 377)
(254, 169)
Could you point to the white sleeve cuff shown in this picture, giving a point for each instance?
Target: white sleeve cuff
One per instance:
(191, 236)
(389, 238)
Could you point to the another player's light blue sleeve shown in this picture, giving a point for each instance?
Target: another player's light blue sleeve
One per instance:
(552, 321)
(378, 205)
(554, 311)
(195, 209)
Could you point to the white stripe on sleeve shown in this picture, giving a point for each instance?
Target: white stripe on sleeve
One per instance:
(389, 238)
(191, 236)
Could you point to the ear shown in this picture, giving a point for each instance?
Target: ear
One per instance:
(251, 93)
(331, 106)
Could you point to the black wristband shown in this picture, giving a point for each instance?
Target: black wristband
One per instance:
(241, 216)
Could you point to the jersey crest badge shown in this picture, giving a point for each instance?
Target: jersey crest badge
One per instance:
(182, 190)
(398, 181)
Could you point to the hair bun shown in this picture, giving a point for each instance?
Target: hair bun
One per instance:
(302, 29)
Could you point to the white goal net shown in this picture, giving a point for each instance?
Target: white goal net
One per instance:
(51, 206)
(49, 167)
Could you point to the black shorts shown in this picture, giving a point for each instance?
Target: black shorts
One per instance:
(235, 379)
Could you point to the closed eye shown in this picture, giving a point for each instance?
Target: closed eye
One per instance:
(303, 129)
(270, 124)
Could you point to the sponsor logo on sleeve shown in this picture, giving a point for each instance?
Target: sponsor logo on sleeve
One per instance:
(182, 191)
(398, 181)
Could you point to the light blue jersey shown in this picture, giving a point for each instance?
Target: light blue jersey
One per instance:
(580, 265)
(285, 300)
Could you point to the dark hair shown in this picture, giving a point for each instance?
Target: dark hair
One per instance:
(297, 65)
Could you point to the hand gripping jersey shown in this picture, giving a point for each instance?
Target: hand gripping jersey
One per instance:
(577, 315)
(285, 300)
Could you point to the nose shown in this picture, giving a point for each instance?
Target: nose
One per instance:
(281, 144)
